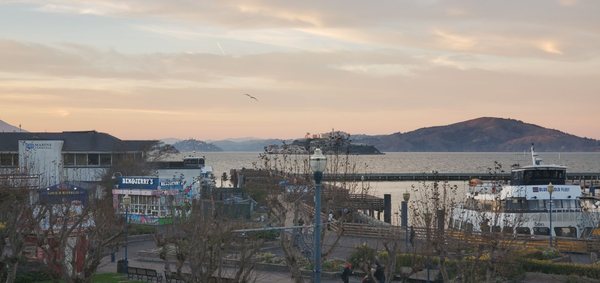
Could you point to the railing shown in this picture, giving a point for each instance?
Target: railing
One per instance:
(440, 176)
(563, 244)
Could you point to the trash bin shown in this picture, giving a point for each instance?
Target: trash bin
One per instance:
(121, 266)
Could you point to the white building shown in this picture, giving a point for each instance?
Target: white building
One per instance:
(66, 156)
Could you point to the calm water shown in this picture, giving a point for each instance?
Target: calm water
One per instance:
(411, 162)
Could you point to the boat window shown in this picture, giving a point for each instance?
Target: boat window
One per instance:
(536, 205)
(469, 228)
(568, 203)
(565, 232)
(484, 226)
(496, 229)
(538, 177)
(541, 231)
(523, 230)
(516, 204)
(507, 229)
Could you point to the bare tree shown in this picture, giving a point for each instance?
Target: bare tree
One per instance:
(75, 235)
(16, 221)
(290, 189)
(204, 238)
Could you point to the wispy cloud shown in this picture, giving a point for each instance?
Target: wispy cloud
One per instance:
(455, 41)
(186, 63)
(550, 47)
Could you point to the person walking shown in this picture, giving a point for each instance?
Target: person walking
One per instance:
(329, 220)
(379, 273)
(346, 272)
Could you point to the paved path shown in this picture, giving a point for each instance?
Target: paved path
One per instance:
(154, 263)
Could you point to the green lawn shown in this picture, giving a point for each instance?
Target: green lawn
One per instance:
(108, 278)
(112, 278)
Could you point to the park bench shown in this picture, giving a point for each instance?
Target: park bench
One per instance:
(149, 275)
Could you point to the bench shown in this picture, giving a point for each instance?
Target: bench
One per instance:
(149, 275)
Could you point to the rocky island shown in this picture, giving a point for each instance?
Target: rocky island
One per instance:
(334, 142)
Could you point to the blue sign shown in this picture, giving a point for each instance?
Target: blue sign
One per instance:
(170, 184)
(146, 183)
(64, 192)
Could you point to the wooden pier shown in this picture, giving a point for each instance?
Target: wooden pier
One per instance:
(438, 176)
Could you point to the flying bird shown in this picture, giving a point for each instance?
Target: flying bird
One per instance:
(251, 97)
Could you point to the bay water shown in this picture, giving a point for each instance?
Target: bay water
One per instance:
(420, 162)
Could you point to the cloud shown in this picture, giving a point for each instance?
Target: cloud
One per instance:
(403, 57)
(549, 47)
(455, 41)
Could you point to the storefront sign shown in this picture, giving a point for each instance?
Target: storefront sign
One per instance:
(147, 183)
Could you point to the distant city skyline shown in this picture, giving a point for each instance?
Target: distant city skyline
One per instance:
(278, 69)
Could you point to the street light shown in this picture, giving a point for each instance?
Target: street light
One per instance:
(406, 197)
(550, 190)
(318, 163)
(126, 203)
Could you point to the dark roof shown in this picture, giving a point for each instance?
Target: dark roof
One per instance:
(83, 141)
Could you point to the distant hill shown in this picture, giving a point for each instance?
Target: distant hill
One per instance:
(170, 140)
(485, 134)
(6, 127)
(196, 145)
(251, 145)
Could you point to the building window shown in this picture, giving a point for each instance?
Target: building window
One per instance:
(6, 159)
(105, 160)
(69, 159)
(81, 159)
(93, 159)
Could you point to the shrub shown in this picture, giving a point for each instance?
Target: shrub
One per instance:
(333, 265)
(545, 266)
(141, 229)
(267, 234)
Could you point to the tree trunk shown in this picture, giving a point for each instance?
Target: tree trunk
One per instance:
(12, 271)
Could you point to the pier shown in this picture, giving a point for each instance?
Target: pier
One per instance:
(439, 176)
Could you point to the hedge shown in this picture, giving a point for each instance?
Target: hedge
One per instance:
(548, 267)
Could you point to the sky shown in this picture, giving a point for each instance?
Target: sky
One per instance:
(147, 69)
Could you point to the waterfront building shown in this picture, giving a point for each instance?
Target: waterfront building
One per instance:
(66, 156)
(169, 192)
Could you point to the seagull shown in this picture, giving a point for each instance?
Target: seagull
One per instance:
(251, 97)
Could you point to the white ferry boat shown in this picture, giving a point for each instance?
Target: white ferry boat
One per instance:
(536, 201)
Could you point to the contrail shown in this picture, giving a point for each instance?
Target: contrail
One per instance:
(221, 48)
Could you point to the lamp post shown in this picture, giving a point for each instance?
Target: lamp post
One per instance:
(318, 163)
(550, 190)
(406, 197)
(126, 203)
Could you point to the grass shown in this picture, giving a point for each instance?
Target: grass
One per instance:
(108, 278)
(111, 278)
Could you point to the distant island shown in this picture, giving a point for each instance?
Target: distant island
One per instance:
(486, 134)
(335, 142)
(195, 145)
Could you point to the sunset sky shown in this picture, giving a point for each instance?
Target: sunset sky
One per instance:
(156, 69)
